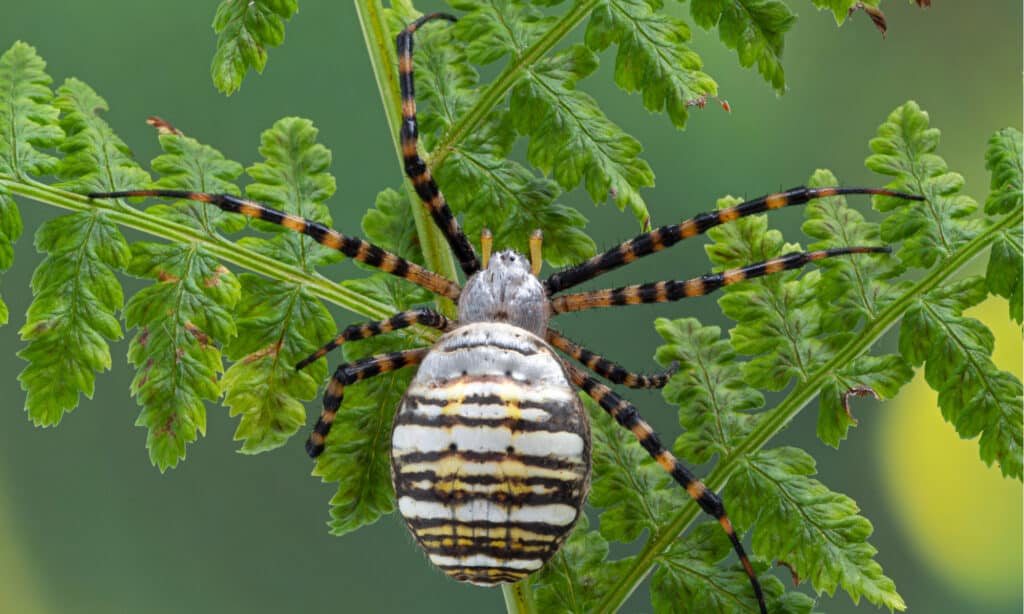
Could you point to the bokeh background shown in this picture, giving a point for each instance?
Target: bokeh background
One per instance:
(87, 525)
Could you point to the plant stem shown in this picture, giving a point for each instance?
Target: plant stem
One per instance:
(223, 249)
(801, 395)
(380, 47)
(518, 598)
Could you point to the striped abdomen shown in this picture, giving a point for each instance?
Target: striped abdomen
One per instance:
(490, 454)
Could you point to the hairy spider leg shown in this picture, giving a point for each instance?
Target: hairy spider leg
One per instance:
(415, 167)
(353, 247)
(666, 236)
(667, 291)
(348, 374)
(404, 319)
(629, 418)
(606, 368)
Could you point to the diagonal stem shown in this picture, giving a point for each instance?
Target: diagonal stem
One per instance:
(219, 247)
(380, 46)
(801, 395)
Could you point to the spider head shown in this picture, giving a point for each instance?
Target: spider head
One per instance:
(506, 291)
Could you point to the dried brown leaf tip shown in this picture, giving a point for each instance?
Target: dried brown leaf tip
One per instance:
(792, 571)
(162, 125)
(857, 391)
(876, 14)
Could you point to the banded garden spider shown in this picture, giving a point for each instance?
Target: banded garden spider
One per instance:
(491, 445)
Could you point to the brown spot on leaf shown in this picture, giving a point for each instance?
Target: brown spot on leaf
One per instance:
(201, 337)
(214, 280)
(165, 276)
(167, 428)
(270, 350)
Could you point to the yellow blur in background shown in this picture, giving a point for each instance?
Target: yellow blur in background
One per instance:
(962, 518)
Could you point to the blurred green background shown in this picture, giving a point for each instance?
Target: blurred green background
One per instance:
(87, 525)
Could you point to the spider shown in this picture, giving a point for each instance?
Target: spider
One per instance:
(491, 443)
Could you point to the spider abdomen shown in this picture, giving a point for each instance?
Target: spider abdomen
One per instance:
(490, 454)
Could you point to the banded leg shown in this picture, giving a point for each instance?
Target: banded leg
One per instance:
(606, 368)
(426, 317)
(667, 291)
(666, 236)
(353, 247)
(415, 167)
(348, 374)
(627, 416)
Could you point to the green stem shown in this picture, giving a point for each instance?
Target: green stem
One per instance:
(518, 598)
(801, 395)
(381, 49)
(221, 248)
(469, 122)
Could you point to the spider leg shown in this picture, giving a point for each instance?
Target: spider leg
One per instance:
(426, 317)
(667, 291)
(415, 167)
(666, 236)
(350, 373)
(627, 416)
(353, 247)
(606, 368)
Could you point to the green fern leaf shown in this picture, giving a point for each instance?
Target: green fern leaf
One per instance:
(10, 231)
(390, 225)
(975, 396)
(571, 139)
(929, 231)
(28, 122)
(245, 30)
(714, 402)
(578, 576)
(754, 28)
(798, 520)
(480, 181)
(1003, 276)
(779, 318)
(1003, 159)
(77, 295)
(851, 290)
(652, 56)
(72, 315)
(95, 158)
(279, 324)
(633, 492)
(358, 448)
(182, 317)
(689, 577)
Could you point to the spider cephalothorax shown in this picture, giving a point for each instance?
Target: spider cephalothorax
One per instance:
(506, 291)
(491, 446)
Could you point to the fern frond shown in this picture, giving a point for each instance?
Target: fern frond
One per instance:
(481, 182)
(572, 139)
(817, 532)
(76, 293)
(754, 28)
(358, 448)
(27, 122)
(652, 56)
(279, 324)
(244, 31)
(188, 312)
(975, 396)
(1003, 159)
